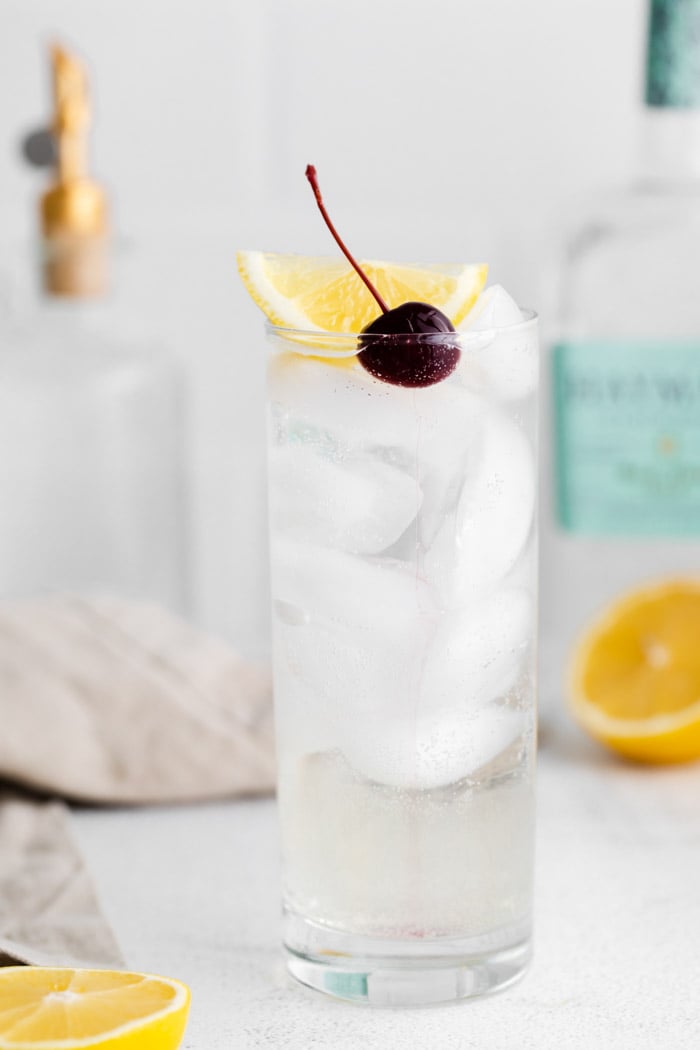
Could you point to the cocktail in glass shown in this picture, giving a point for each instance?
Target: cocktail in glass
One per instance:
(403, 554)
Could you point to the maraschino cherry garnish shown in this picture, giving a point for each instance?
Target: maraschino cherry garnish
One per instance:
(406, 346)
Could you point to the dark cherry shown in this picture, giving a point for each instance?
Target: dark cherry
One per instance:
(414, 348)
(409, 345)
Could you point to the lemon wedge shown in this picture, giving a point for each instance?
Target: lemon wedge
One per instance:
(63, 1009)
(635, 676)
(325, 294)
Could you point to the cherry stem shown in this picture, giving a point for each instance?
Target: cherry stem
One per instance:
(311, 176)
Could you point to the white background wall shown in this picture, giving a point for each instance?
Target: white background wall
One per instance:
(454, 129)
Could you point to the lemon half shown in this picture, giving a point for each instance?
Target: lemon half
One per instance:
(62, 1009)
(635, 676)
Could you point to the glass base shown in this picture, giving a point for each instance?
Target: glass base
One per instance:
(395, 973)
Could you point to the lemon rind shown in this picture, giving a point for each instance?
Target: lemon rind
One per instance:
(604, 726)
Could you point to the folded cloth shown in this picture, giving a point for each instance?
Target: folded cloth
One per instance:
(109, 701)
(49, 914)
(106, 700)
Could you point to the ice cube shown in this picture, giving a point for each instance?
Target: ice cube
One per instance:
(476, 654)
(351, 678)
(523, 575)
(494, 308)
(510, 361)
(448, 448)
(378, 595)
(360, 504)
(342, 402)
(453, 723)
(478, 544)
(351, 631)
(433, 750)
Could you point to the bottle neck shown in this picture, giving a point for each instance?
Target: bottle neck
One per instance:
(75, 267)
(670, 145)
(671, 138)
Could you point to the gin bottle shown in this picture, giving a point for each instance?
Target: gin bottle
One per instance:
(91, 466)
(625, 368)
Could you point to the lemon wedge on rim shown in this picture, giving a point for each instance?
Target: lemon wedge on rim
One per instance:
(326, 294)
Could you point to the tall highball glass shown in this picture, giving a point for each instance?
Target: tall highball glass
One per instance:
(404, 563)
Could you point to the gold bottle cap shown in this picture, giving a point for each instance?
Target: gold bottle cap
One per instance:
(73, 209)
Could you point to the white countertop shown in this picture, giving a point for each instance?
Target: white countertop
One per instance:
(193, 893)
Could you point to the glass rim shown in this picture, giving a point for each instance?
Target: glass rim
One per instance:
(344, 344)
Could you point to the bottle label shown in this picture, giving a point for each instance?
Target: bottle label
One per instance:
(673, 53)
(627, 437)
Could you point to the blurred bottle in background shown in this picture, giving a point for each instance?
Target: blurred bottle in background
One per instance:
(625, 370)
(91, 427)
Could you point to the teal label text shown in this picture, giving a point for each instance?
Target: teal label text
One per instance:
(627, 435)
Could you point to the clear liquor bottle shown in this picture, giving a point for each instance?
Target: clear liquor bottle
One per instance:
(625, 368)
(91, 423)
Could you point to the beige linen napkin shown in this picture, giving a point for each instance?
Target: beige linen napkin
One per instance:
(104, 700)
(49, 914)
(108, 701)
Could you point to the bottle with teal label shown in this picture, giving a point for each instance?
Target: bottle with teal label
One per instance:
(624, 497)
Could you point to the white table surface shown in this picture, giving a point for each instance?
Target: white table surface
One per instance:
(193, 893)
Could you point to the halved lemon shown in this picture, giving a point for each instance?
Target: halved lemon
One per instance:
(635, 677)
(62, 1009)
(325, 294)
